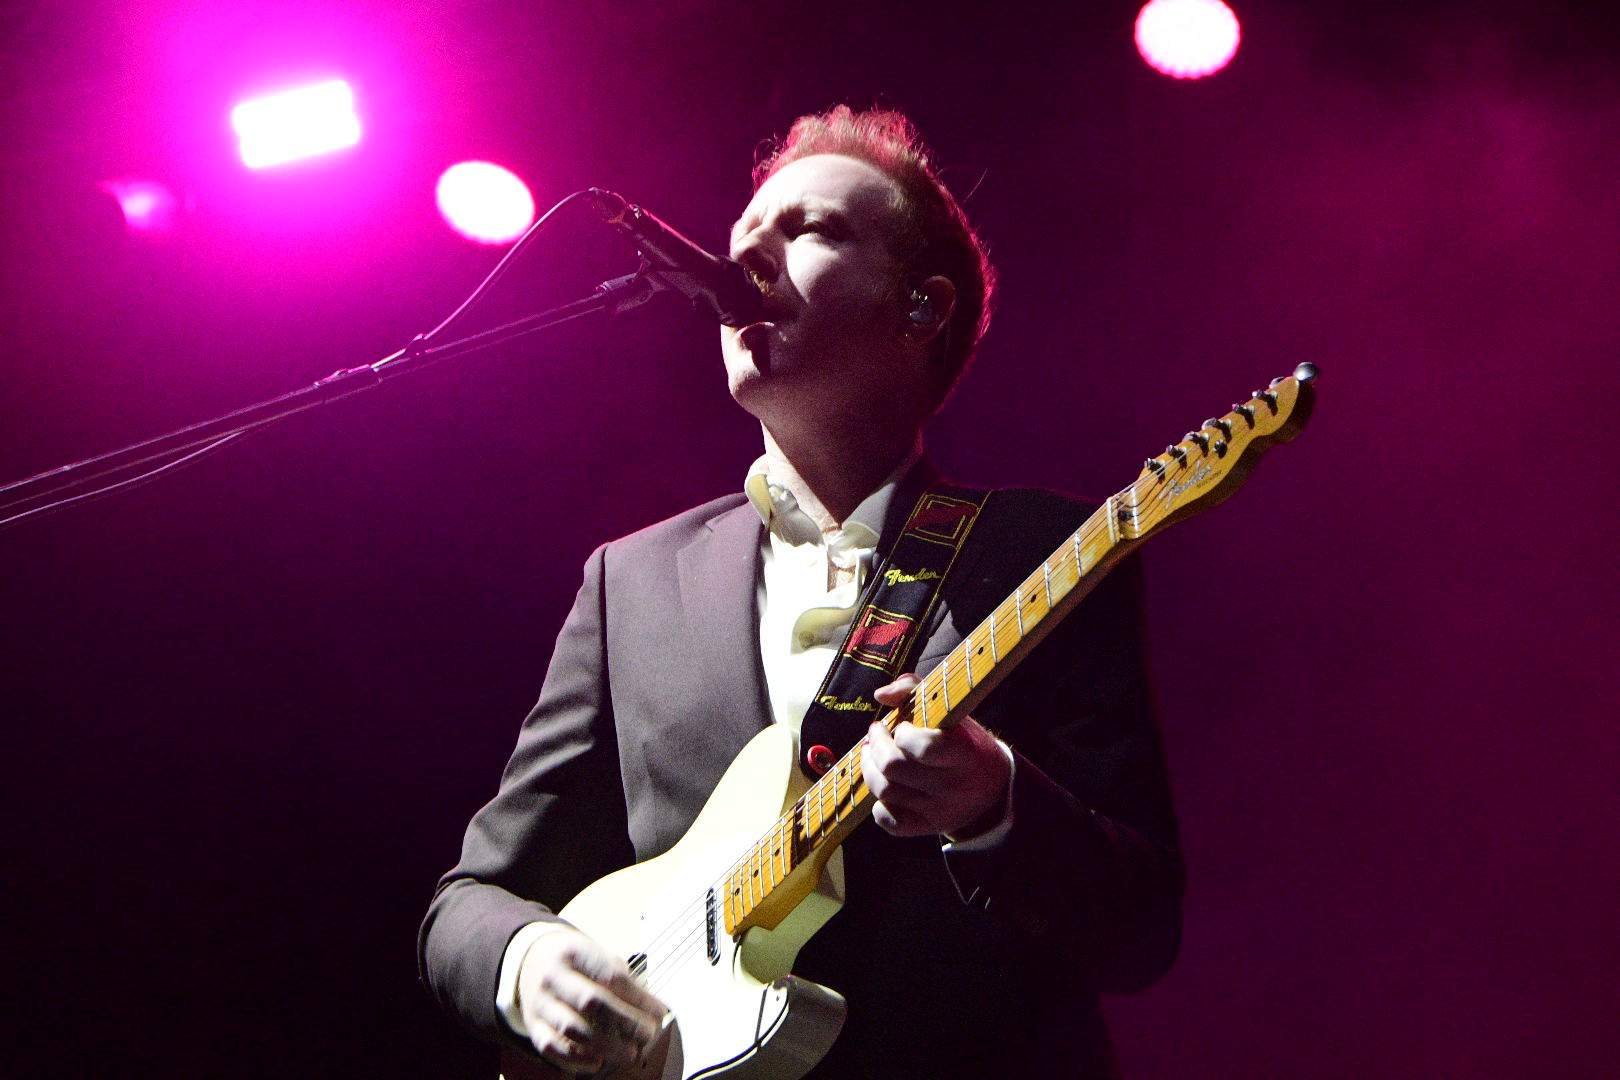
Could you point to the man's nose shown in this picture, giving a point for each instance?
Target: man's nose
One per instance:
(753, 252)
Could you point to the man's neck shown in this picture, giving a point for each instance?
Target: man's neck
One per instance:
(831, 472)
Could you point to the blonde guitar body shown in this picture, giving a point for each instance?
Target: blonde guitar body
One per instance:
(738, 1011)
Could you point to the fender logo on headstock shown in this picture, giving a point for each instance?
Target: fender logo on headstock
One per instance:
(1198, 476)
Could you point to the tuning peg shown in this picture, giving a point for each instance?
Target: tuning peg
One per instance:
(1154, 465)
(1245, 411)
(1278, 381)
(1220, 448)
(1176, 452)
(1266, 396)
(1200, 438)
(1222, 426)
(1305, 372)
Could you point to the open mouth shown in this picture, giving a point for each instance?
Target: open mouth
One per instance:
(756, 335)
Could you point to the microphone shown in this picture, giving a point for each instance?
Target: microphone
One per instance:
(716, 285)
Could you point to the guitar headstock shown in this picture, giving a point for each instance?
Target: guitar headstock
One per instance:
(1208, 464)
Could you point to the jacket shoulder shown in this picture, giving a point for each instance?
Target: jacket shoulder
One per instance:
(1041, 505)
(677, 529)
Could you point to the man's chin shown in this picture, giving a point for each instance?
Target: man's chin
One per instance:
(764, 394)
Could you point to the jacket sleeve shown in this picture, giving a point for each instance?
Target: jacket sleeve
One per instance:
(1091, 865)
(556, 824)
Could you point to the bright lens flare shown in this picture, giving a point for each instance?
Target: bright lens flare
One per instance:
(148, 207)
(485, 202)
(1187, 39)
(296, 124)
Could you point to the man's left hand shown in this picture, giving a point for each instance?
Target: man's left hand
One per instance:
(931, 781)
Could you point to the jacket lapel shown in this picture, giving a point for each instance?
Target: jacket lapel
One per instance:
(718, 570)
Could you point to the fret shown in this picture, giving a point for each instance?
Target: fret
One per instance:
(1113, 521)
(1026, 600)
(995, 651)
(919, 705)
(1079, 557)
(801, 845)
(1018, 606)
(773, 851)
(1046, 571)
(967, 659)
(945, 682)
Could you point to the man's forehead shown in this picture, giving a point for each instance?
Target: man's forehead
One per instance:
(831, 183)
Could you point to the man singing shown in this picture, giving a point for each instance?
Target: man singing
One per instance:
(1017, 874)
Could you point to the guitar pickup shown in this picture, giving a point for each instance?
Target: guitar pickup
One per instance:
(711, 928)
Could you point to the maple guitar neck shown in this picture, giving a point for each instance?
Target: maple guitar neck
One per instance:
(1198, 472)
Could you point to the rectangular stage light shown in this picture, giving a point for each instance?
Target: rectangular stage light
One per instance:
(296, 124)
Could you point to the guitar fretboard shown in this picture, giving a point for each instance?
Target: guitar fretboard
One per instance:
(839, 801)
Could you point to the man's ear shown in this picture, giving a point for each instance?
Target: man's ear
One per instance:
(929, 303)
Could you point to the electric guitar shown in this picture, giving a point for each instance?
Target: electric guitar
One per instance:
(713, 925)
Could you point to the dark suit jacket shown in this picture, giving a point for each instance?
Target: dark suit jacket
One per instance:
(968, 963)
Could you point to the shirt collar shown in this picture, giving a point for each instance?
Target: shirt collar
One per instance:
(780, 512)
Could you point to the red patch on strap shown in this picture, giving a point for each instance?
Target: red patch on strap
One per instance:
(879, 636)
(938, 513)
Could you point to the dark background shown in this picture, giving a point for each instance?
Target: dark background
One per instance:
(248, 708)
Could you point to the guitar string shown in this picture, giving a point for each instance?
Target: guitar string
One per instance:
(1090, 530)
(1069, 552)
(675, 955)
(680, 951)
(678, 954)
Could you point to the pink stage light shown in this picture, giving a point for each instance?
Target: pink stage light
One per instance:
(1187, 39)
(485, 202)
(296, 124)
(148, 207)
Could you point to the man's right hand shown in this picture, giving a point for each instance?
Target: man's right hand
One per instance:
(583, 1009)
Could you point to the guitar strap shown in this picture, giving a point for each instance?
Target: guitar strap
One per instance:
(899, 601)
